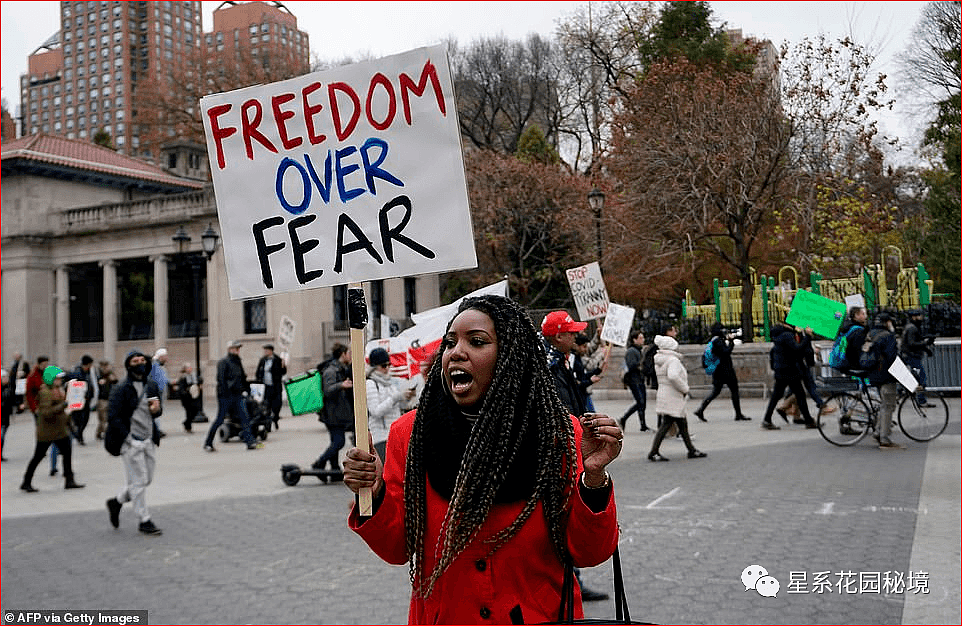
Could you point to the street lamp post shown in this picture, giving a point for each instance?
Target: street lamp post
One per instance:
(596, 200)
(197, 260)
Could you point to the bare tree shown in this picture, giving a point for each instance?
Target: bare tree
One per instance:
(502, 88)
(829, 96)
(700, 157)
(600, 57)
(930, 65)
(169, 106)
(530, 222)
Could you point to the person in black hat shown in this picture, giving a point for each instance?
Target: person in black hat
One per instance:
(270, 372)
(232, 386)
(915, 347)
(723, 343)
(883, 341)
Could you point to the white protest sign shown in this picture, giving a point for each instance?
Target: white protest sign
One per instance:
(618, 324)
(341, 176)
(901, 372)
(853, 301)
(21, 387)
(257, 392)
(76, 395)
(285, 334)
(588, 291)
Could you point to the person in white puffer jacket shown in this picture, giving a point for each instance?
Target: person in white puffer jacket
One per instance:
(386, 397)
(672, 397)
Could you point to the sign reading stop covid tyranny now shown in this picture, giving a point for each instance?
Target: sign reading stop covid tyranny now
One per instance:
(341, 176)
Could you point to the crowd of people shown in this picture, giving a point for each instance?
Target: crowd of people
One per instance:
(512, 402)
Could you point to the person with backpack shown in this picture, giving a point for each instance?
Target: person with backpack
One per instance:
(723, 372)
(338, 410)
(786, 355)
(878, 353)
(848, 343)
(634, 379)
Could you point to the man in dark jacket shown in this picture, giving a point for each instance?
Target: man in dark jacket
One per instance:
(915, 347)
(787, 352)
(270, 372)
(132, 431)
(232, 385)
(882, 338)
(723, 343)
(559, 331)
(338, 410)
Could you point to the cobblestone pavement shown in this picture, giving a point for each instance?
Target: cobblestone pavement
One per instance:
(239, 547)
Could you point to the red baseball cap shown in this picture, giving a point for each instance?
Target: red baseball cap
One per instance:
(560, 322)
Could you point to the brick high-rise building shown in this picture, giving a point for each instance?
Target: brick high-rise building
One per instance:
(87, 76)
(266, 31)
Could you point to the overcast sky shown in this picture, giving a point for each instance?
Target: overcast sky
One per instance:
(339, 29)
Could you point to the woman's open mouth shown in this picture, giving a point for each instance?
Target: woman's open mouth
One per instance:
(460, 380)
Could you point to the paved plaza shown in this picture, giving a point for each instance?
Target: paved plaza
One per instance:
(857, 535)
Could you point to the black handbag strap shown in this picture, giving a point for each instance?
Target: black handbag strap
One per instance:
(567, 609)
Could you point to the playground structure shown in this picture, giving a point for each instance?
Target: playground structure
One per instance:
(771, 299)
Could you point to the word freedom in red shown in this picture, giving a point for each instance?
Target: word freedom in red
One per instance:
(344, 110)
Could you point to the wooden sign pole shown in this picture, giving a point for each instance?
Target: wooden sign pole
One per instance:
(357, 317)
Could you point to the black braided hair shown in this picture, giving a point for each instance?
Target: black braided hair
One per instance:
(522, 396)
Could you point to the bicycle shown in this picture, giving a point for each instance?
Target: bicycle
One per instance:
(851, 411)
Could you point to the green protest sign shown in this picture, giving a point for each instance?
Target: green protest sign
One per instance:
(822, 314)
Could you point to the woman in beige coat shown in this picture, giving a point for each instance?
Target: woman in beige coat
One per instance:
(671, 398)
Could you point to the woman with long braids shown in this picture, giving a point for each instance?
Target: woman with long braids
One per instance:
(489, 487)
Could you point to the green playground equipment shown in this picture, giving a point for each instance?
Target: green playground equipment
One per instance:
(771, 299)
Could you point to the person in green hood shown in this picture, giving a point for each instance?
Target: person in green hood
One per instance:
(53, 427)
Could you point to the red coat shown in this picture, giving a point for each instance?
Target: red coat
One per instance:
(475, 589)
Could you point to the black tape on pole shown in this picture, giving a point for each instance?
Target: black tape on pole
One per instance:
(356, 308)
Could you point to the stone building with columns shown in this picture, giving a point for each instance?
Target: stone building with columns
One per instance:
(89, 266)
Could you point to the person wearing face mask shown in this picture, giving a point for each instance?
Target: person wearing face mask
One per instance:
(132, 432)
(53, 427)
(490, 486)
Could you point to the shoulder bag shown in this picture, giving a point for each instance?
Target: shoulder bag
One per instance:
(566, 612)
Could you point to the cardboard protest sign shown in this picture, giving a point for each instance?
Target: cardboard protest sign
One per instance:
(618, 324)
(822, 314)
(285, 333)
(901, 372)
(857, 300)
(257, 392)
(341, 176)
(588, 291)
(76, 395)
(285, 336)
